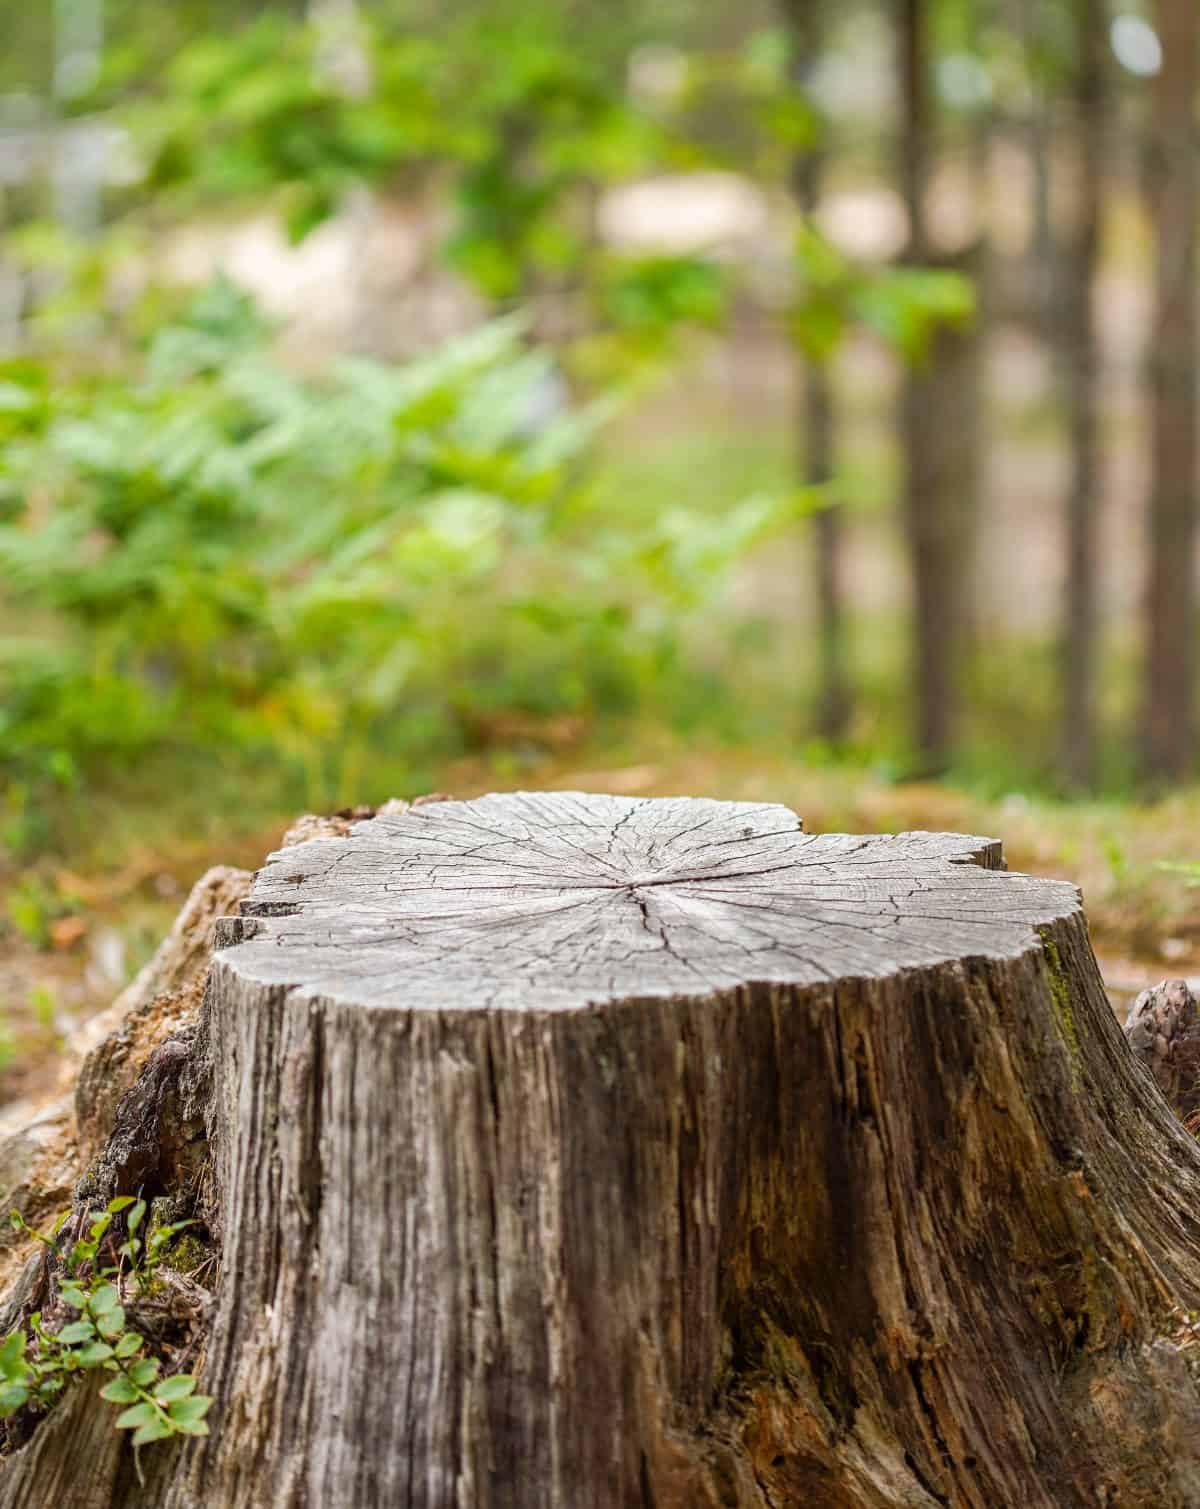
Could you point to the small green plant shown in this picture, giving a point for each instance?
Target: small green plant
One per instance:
(31, 907)
(35, 1365)
(9, 1048)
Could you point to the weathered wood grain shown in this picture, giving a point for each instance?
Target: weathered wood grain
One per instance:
(587, 1152)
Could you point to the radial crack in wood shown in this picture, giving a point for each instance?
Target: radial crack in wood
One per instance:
(593, 1152)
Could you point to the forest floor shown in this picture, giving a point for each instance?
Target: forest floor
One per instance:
(75, 930)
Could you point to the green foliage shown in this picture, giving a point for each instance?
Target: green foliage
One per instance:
(904, 306)
(907, 305)
(250, 112)
(203, 553)
(36, 1364)
(212, 553)
(742, 108)
(645, 308)
(522, 150)
(540, 134)
(32, 905)
(253, 112)
(653, 295)
(8, 1047)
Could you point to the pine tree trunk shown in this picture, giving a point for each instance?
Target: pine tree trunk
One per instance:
(804, 20)
(1081, 361)
(586, 1152)
(939, 429)
(833, 698)
(1169, 720)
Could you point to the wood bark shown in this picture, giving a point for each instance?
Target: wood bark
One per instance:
(592, 1152)
(833, 695)
(1170, 663)
(1081, 362)
(939, 428)
(1163, 1028)
(805, 21)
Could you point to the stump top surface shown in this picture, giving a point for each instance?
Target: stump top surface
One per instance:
(560, 900)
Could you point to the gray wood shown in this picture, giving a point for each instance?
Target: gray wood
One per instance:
(558, 902)
(585, 1152)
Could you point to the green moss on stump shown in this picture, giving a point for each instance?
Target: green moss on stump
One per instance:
(1060, 999)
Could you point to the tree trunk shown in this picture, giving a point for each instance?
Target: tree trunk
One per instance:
(939, 432)
(1042, 259)
(1081, 375)
(833, 697)
(1169, 721)
(804, 20)
(587, 1152)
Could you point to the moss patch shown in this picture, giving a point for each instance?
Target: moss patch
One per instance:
(1060, 1000)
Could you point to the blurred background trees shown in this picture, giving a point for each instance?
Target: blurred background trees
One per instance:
(384, 381)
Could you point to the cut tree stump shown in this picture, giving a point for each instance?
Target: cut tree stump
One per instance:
(589, 1152)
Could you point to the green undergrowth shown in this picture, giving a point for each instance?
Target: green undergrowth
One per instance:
(91, 1329)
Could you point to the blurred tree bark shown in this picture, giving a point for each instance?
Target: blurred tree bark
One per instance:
(1169, 715)
(805, 21)
(939, 429)
(1080, 355)
(1029, 19)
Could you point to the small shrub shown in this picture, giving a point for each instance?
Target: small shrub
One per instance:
(37, 1363)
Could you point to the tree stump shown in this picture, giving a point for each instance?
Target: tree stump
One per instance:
(589, 1152)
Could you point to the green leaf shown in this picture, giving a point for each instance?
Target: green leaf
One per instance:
(144, 1371)
(12, 1353)
(136, 1216)
(104, 1299)
(191, 1409)
(165, 1234)
(128, 1344)
(178, 1387)
(119, 1391)
(153, 1430)
(12, 1399)
(138, 1415)
(190, 1427)
(122, 1202)
(112, 1324)
(82, 1252)
(77, 1331)
(93, 1356)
